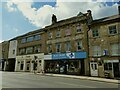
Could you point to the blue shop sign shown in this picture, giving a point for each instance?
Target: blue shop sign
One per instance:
(70, 55)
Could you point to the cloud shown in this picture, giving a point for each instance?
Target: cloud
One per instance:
(42, 16)
(10, 6)
(1, 41)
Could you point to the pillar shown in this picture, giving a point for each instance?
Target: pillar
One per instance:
(16, 65)
(24, 68)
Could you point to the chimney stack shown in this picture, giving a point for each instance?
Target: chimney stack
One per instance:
(54, 19)
(89, 16)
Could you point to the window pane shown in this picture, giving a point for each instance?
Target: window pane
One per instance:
(49, 49)
(110, 66)
(115, 49)
(105, 66)
(112, 29)
(95, 33)
(67, 31)
(23, 40)
(37, 37)
(37, 49)
(29, 39)
(58, 47)
(96, 50)
(29, 50)
(58, 33)
(78, 28)
(95, 66)
(68, 46)
(49, 35)
(22, 51)
(79, 45)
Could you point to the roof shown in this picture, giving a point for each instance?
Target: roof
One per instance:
(105, 19)
(68, 21)
(30, 33)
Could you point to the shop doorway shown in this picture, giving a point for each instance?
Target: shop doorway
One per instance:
(94, 68)
(63, 67)
(116, 69)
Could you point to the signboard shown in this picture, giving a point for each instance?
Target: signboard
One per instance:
(69, 55)
(105, 52)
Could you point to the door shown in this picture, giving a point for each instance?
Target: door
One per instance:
(116, 69)
(94, 68)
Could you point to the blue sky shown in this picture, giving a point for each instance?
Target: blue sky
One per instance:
(17, 19)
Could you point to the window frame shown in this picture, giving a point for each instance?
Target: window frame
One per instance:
(95, 32)
(116, 49)
(49, 48)
(77, 46)
(98, 52)
(78, 28)
(37, 37)
(49, 35)
(67, 31)
(31, 50)
(107, 66)
(38, 48)
(58, 48)
(23, 40)
(58, 35)
(22, 51)
(29, 39)
(67, 45)
(112, 30)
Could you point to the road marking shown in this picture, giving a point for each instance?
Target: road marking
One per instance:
(76, 85)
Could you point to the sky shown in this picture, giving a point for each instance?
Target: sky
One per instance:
(17, 18)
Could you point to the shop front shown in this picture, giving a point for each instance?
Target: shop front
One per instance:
(112, 67)
(30, 63)
(66, 63)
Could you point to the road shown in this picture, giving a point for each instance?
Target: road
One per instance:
(29, 80)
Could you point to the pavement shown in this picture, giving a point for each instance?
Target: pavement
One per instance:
(84, 78)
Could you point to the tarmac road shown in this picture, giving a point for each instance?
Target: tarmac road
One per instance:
(30, 80)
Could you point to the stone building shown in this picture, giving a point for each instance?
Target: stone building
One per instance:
(104, 46)
(12, 54)
(5, 49)
(30, 51)
(67, 45)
